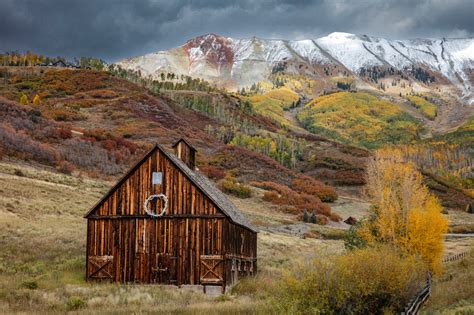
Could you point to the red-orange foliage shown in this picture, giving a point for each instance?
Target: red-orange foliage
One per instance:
(64, 132)
(343, 177)
(65, 167)
(291, 200)
(104, 94)
(310, 186)
(322, 220)
(213, 172)
(18, 143)
(64, 114)
(335, 217)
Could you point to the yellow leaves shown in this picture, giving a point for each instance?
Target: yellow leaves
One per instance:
(272, 103)
(363, 281)
(428, 109)
(37, 100)
(426, 227)
(359, 117)
(405, 214)
(24, 99)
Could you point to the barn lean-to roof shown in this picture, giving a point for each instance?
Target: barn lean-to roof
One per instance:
(202, 182)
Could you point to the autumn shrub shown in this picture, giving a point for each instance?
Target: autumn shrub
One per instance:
(291, 200)
(322, 220)
(63, 132)
(349, 178)
(103, 94)
(335, 217)
(91, 156)
(213, 172)
(65, 114)
(270, 196)
(18, 143)
(65, 167)
(310, 186)
(367, 281)
(231, 186)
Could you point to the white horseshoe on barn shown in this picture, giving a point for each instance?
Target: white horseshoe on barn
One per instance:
(151, 213)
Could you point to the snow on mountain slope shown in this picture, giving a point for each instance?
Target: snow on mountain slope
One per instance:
(350, 50)
(241, 62)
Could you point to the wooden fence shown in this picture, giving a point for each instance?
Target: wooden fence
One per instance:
(414, 306)
(456, 257)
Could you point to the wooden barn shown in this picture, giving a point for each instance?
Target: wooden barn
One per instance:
(164, 222)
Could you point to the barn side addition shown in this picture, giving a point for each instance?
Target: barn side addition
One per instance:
(164, 222)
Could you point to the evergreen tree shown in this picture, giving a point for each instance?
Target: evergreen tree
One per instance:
(305, 216)
(314, 219)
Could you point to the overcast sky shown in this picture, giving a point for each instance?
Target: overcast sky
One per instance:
(114, 29)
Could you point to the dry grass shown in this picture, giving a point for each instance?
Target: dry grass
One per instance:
(453, 293)
(42, 236)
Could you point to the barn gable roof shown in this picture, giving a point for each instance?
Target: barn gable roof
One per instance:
(201, 181)
(185, 141)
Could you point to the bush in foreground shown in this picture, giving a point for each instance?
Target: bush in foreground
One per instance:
(365, 281)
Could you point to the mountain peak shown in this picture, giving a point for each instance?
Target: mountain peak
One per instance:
(340, 35)
(242, 62)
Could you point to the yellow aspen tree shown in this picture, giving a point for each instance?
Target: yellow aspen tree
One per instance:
(37, 100)
(24, 99)
(403, 213)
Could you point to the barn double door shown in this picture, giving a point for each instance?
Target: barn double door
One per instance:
(166, 270)
(179, 259)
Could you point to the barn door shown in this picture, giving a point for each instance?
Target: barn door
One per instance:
(166, 269)
(212, 269)
(101, 267)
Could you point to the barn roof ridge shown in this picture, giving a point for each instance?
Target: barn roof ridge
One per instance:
(185, 141)
(201, 181)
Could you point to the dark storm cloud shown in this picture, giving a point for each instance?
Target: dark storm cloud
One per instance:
(113, 29)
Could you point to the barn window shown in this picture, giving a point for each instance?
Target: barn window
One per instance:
(156, 178)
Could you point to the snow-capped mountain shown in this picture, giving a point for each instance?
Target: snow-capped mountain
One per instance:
(241, 62)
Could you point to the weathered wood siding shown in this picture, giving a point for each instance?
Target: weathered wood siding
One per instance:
(136, 243)
(186, 154)
(183, 197)
(125, 244)
(240, 248)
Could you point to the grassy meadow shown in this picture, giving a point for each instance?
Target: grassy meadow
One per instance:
(43, 247)
(42, 256)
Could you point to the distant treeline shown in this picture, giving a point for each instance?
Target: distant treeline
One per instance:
(31, 59)
(375, 73)
(167, 81)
